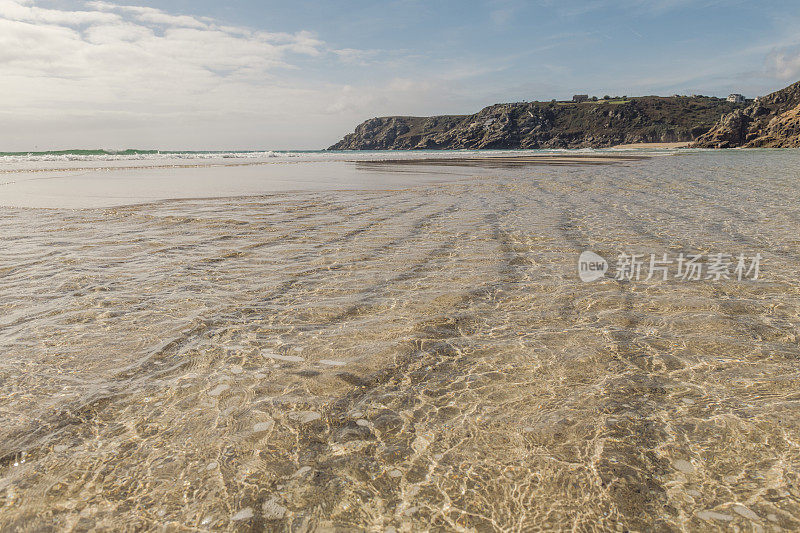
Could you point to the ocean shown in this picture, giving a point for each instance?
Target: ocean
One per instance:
(400, 341)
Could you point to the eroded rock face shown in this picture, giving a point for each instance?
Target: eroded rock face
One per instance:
(731, 131)
(771, 122)
(381, 133)
(546, 125)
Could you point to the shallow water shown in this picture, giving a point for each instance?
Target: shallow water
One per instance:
(414, 358)
(95, 181)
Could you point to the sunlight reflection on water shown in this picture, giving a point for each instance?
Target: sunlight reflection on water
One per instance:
(424, 357)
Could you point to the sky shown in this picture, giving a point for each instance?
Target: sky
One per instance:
(263, 74)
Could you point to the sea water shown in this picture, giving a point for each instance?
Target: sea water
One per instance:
(322, 341)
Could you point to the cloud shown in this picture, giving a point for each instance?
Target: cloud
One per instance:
(20, 11)
(137, 42)
(151, 15)
(139, 65)
(394, 96)
(356, 57)
(784, 63)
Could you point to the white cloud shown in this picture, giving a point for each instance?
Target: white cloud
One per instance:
(141, 42)
(784, 63)
(151, 15)
(119, 62)
(20, 11)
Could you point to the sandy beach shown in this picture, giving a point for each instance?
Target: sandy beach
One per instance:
(655, 146)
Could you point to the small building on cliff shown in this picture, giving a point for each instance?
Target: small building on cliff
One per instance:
(736, 98)
(578, 98)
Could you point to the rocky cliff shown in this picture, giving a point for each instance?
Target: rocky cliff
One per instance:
(547, 125)
(770, 122)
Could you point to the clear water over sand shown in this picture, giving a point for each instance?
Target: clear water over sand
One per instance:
(418, 355)
(78, 181)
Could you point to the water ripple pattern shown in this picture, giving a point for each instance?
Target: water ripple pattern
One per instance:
(422, 358)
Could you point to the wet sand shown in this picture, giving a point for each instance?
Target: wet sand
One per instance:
(508, 161)
(655, 146)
